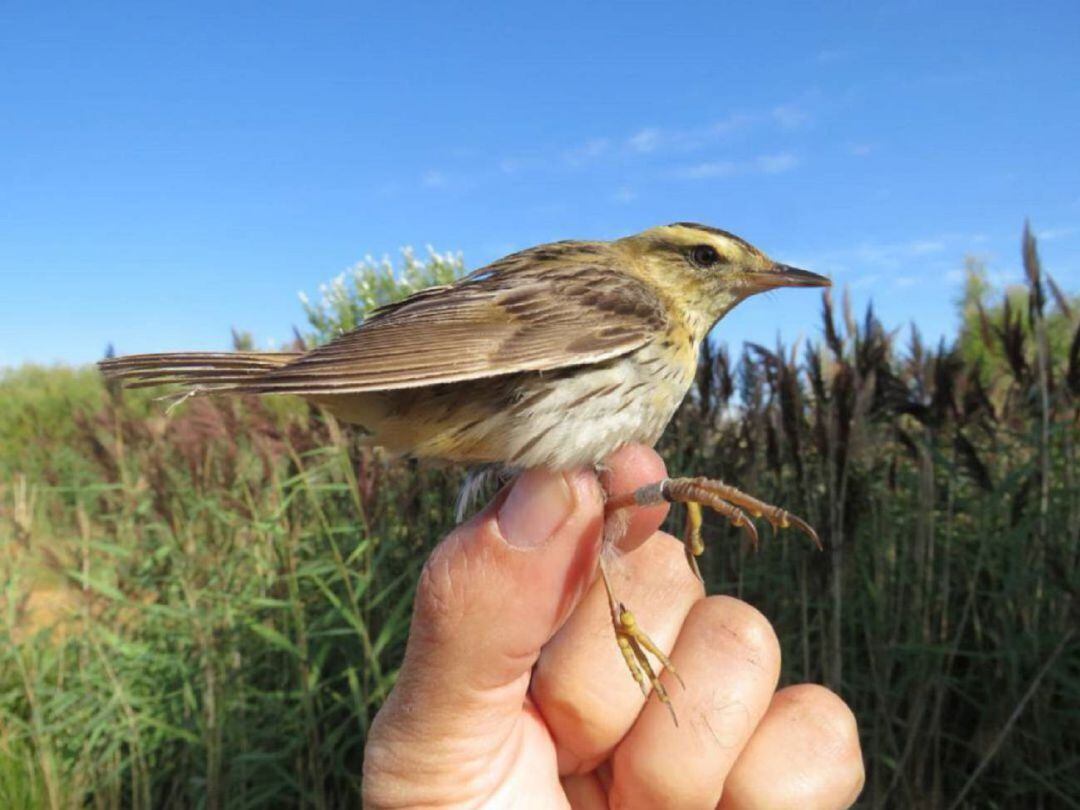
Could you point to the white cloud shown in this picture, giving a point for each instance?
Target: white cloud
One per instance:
(686, 139)
(1050, 234)
(708, 171)
(827, 55)
(894, 254)
(920, 247)
(624, 195)
(433, 178)
(789, 116)
(733, 122)
(860, 149)
(590, 150)
(654, 140)
(929, 260)
(763, 164)
(509, 165)
(777, 164)
(645, 140)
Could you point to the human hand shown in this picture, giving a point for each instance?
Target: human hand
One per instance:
(513, 692)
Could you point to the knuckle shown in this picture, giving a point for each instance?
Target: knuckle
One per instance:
(731, 622)
(828, 717)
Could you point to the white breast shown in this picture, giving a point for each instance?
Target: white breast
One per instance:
(581, 420)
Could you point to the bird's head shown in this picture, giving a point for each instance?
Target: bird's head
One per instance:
(707, 270)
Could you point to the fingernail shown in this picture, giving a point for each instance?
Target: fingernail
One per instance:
(538, 504)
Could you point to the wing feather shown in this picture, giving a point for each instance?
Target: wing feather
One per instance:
(568, 306)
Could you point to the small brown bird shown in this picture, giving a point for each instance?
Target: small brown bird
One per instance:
(554, 357)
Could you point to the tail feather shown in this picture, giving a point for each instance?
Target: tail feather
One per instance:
(200, 371)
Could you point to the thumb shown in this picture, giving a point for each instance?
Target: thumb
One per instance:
(491, 595)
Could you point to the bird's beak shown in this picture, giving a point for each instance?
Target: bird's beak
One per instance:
(783, 275)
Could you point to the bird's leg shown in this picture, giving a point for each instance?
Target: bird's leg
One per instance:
(634, 645)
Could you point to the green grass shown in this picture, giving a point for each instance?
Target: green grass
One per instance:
(207, 610)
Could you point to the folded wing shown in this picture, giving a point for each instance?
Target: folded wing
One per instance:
(500, 320)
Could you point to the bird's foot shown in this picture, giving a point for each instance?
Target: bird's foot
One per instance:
(635, 646)
(695, 493)
(735, 505)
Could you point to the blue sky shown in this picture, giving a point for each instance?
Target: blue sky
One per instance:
(167, 173)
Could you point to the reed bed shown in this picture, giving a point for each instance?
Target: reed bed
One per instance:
(207, 609)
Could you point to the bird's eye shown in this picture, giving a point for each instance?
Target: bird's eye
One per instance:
(704, 256)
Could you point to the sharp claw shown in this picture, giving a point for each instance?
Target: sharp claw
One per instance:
(806, 529)
(751, 531)
(671, 711)
(692, 560)
(671, 668)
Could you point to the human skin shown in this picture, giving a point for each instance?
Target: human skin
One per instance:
(513, 693)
